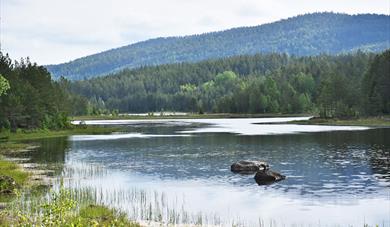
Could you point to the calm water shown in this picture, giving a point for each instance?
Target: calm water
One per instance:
(335, 175)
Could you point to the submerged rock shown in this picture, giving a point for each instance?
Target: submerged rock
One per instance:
(264, 177)
(7, 184)
(245, 166)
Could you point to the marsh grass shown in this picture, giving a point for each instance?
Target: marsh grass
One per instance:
(11, 169)
(60, 208)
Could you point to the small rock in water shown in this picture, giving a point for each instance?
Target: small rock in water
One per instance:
(264, 177)
(248, 167)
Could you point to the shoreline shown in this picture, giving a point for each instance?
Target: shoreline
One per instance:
(187, 116)
(383, 121)
(42, 134)
(35, 175)
(380, 121)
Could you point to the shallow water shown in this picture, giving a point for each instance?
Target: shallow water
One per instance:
(335, 175)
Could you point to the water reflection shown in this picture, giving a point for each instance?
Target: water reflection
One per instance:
(49, 150)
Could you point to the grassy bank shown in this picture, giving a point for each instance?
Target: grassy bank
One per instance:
(383, 121)
(60, 208)
(11, 169)
(12, 178)
(40, 133)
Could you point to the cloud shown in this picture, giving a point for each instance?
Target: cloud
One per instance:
(54, 31)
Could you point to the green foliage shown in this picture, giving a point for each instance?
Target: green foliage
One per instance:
(4, 85)
(376, 85)
(32, 99)
(57, 211)
(303, 35)
(338, 97)
(97, 215)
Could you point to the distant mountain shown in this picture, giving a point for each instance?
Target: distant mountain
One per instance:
(303, 35)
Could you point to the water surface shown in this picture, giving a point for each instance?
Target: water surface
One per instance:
(335, 175)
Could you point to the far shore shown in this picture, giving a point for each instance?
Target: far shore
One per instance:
(41, 134)
(172, 115)
(379, 121)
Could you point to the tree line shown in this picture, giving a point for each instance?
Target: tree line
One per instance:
(30, 99)
(345, 85)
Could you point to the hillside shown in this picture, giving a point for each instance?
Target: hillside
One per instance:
(270, 83)
(302, 35)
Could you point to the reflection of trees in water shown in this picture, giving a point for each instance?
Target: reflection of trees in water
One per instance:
(374, 152)
(345, 162)
(380, 162)
(51, 153)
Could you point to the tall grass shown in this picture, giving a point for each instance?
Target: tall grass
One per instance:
(60, 208)
(143, 205)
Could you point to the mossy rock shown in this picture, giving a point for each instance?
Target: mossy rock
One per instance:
(7, 185)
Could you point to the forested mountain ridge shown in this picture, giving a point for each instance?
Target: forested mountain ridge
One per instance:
(343, 85)
(303, 35)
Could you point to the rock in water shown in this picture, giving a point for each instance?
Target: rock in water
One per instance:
(245, 166)
(264, 177)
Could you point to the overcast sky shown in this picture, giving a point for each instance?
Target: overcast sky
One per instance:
(55, 31)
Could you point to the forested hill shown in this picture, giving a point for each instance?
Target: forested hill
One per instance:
(308, 34)
(343, 86)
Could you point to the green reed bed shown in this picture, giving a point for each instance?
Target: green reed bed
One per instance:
(61, 207)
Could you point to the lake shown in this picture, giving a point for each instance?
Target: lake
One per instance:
(179, 171)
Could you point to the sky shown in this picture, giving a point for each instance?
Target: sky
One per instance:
(56, 31)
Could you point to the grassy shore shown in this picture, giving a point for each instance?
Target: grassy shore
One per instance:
(383, 121)
(12, 178)
(11, 169)
(39, 133)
